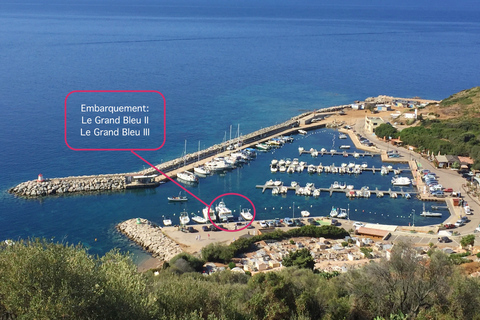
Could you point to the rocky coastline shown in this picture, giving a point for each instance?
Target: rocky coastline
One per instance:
(58, 186)
(150, 237)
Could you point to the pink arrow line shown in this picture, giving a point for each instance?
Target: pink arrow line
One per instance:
(178, 184)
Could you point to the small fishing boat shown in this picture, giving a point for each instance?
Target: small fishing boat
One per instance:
(305, 213)
(178, 198)
(184, 218)
(343, 213)
(333, 212)
(246, 214)
(198, 219)
(167, 221)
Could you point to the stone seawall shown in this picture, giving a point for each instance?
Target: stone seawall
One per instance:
(150, 237)
(66, 185)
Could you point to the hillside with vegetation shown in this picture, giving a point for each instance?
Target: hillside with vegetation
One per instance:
(465, 103)
(457, 134)
(45, 280)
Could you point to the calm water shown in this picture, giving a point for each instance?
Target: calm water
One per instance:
(217, 65)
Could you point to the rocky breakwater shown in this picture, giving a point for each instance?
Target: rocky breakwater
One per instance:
(36, 188)
(150, 237)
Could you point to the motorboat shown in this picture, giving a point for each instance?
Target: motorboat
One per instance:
(282, 169)
(335, 185)
(178, 198)
(305, 213)
(344, 146)
(294, 184)
(342, 214)
(167, 221)
(275, 190)
(201, 170)
(302, 131)
(224, 213)
(401, 181)
(212, 213)
(246, 214)
(333, 212)
(199, 219)
(184, 218)
(273, 168)
(262, 147)
(187, 176)
(316, 193)
(342, 136)
(343, 185)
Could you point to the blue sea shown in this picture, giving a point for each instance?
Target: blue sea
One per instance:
(218, 64)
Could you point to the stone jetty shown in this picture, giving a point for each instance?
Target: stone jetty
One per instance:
(150, 237)
(35, 188)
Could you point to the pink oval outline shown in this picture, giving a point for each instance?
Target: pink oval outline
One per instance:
(232, 194)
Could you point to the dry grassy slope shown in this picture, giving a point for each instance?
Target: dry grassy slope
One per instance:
(465, 103)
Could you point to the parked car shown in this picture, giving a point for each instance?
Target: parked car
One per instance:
(447, 190)
(206, 228)
(357, 225)
(438, 194)
(459, 223)
(288, 221)
(449, 226)
(277, 222)
(271, 224)
(298, 222)
(444, 239)
(191, 229)
(263, 224)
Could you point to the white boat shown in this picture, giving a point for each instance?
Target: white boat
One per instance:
(187, 176)
(300, 150)
(212, 213)
(167, 221)
(262, 146)
(401, 181)
(274, 162)
(343, 185)
(246, 214)
(201, 170)
(350, 187)
(343, 213)
(198, 219)
(269, 182)
(305, 213)
(184, 218)
(277, 183)
(275, 190)
(333, 212)
(273, 169)
(302, 131)
(316, 193)
(356, 155)
(282, 169)
(335, 185)
(380, 194)
(311, 169)
(294, 184)
(344, 146)
(224, 214)
(323, 150)
(342, 136)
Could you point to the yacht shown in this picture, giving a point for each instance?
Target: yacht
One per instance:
(187, 176)
(184, 218)
(212, 213)
(246, 214)
(167, 221)
(199, 219)
(401, 181)
(224, 214)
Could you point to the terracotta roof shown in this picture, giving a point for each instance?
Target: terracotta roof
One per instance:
(372, 232)
(465, 160)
